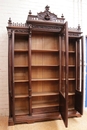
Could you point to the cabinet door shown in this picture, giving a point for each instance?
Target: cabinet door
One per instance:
(79, 76)
(63, 92)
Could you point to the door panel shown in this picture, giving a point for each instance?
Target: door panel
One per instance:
(63, 92)
(79, 76)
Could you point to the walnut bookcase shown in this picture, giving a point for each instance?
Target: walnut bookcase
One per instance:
(45, 69)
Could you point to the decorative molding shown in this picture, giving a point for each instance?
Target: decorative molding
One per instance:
(74, 34)
(45, 16)
(30, 30)
(58, 28)
(9, 33)
(21, 30)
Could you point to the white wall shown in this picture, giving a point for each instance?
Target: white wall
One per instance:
(74, 11)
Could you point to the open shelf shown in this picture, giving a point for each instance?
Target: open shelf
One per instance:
(45, 50)
(18, 81)
(21, 96)
(72, 51)
(20, 50)
(55, 79)
(70, 94)
(45, 94)
(69, 79)
(21, 112)
(42, 105)
(45, 65)
(21, 66)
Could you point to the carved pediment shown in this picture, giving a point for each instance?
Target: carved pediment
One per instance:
(47, 15)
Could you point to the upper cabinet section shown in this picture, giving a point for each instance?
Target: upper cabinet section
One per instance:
(43, 21)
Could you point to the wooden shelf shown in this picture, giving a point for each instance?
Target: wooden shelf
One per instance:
(69, 79)
(22, 96)
(45, 50)
(45, 65)
(45, 79)
(72, 66)
(21, 66)
(20, 50)
(70, 94)
(70, 109)
(21, 112)
(19, 81)
(71, 51)
(42, 105)
(45, 94)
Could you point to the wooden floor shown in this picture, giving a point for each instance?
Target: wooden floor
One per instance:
(73, 124)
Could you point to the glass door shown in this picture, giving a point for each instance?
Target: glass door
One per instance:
(63, 92)
(79, 76)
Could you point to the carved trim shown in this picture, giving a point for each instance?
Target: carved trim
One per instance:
(74, 34)
(30, 30)
(46, 16)
(58, 28)
(21, 30)
(9, 33)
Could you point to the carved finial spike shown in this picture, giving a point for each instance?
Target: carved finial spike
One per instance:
(9, 21)
(47, 8)
(62, 16)
(30, 12)
(79, 27)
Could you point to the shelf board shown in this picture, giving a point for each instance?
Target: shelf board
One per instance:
(69, 79)
(54, 79)
(70, 94)
(72, 66)
(72, 108)
(45, 94)
(22, 96)
(42, 105)
(21, 112)
(19, 81)
(20, 50)
(45, 65)
(45, 50)
(71, 51)
(20, 66)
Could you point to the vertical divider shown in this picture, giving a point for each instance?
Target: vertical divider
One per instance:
(29, 70)
(66, 62)
(82, 85)
(13, 98)
(9, 72)
(59, 63)
(76, 65)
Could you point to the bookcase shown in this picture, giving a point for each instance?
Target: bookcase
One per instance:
(45, 69)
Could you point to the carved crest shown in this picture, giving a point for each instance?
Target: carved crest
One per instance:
(47, 15)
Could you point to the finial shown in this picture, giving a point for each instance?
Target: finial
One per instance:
(9, 21)
(47, 8)
(30, 12)
(62, 16)
(79, 27)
